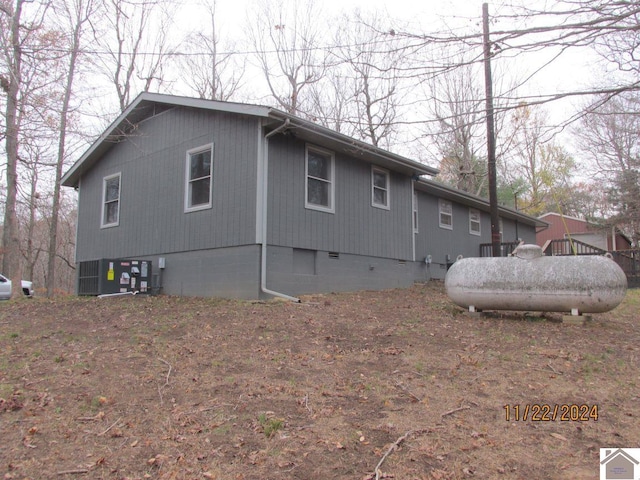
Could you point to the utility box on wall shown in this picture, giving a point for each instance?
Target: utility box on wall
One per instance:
(109, 276)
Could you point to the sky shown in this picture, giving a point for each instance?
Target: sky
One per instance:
(429, 16)
(426, 16)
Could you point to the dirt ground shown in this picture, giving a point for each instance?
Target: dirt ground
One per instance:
(396, 384)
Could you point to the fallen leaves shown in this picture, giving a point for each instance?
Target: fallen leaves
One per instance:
(13, 404)
(97, 417)
(158, 460)
(346, 383)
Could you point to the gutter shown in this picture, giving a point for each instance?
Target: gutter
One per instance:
(265, 199)
(450, 193)
(350, 143)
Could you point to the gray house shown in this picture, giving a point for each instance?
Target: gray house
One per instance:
(235, 200)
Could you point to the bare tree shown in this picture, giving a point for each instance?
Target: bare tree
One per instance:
(370, 58)
(212, 69)
(331, 102)
(134, 37)
(66, 247)
(11, 83)
(42, 94)
(609, 28)
(33, 246)
(545, 167)
(76, 14)
(620, 46)
(610, 138)
(286, 44)
(588, 200)
(36, 248)
(540, 36)
(457, 105)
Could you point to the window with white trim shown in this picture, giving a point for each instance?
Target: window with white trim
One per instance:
(445, 210)
(380, 187)
(474, 221)
(199, 178)
(111, 201)
(319, 172)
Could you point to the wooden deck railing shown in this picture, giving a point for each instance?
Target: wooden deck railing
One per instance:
(567, 246)
(486, 249)
(629, 260)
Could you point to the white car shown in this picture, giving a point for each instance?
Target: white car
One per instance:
(5, 288)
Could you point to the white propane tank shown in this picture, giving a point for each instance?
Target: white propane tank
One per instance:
(532, 282)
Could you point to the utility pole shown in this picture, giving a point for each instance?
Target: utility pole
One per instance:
(491, 136)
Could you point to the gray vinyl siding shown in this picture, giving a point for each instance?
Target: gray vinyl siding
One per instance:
(356, 227)
(152, 163)
(216, 252)
(512, 231)
(439, 242)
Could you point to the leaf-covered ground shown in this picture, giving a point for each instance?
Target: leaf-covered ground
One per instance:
(396, 384)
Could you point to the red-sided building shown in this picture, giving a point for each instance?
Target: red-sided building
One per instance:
(562, 226)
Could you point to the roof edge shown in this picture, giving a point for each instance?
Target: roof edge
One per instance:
(72, 177)
(472, 199)
(420, 168)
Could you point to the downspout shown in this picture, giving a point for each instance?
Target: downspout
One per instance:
(413, 225)
(75, 248)
(265, 199)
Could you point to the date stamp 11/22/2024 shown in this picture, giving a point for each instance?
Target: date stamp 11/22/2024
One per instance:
(567, 412)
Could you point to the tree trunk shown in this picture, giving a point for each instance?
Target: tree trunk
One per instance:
(64, 113)
(11, 234)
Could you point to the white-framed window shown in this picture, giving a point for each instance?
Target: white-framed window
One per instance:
(320, 175)
(111, 201)
(380, 188)
(199, 178)
(474, 221)
(415, 212)
(445, 210)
